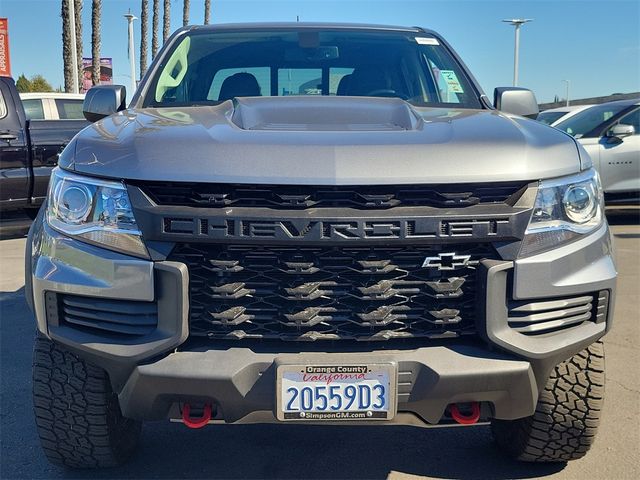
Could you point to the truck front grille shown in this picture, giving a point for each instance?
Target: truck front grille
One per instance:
(332, 293)
(300, 197)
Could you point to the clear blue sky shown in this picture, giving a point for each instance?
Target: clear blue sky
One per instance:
(595, 44)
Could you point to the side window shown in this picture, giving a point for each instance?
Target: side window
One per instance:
(69, 109)
(632, 118)
(262, 75)
(33, 109)
(3, 106)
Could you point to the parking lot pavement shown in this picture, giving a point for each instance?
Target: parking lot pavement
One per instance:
(259, 451)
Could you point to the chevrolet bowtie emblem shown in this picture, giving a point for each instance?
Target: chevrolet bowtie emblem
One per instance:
(446, 261)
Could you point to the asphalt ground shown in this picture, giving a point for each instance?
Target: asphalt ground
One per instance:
(287, 451)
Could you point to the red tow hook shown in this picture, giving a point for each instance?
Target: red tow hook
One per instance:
(470, 419)
(196, 422)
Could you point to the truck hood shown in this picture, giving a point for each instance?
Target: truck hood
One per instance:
(321, 141)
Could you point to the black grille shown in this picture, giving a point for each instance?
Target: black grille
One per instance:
(332, 293)
(300, 197)
(126, 318)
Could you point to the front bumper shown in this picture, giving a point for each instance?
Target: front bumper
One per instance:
(151, 376)
(241, 382)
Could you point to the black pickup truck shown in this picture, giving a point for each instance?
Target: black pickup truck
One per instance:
(28, 151)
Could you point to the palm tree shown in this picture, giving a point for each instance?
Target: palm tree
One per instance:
(185, 13)
(144, 27)
(96, 8)
(166, 27)
(67, 59)
(78, 12)
(154, 28)
(207, 11)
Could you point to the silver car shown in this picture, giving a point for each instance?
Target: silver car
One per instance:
(610, 133)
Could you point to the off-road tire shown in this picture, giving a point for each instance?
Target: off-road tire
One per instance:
(77, 413)
(567, 415)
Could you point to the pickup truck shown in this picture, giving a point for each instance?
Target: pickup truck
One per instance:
(28, 151)
(318, 224)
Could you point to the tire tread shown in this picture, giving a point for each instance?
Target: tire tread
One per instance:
(77, 413)
(567, 415)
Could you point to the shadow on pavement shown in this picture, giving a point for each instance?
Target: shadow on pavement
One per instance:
(14, 224)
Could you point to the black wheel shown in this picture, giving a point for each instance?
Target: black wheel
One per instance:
(567, 415)
(78, 417)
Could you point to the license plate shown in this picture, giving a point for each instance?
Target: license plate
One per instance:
(336, 392)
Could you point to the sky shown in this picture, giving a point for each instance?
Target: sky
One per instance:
(595, 44)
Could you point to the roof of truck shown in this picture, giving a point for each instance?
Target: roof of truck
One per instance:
(306, 25)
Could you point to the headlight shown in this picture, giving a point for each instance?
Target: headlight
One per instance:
(93, 210)
(566, 209)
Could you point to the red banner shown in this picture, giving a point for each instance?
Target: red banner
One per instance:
(5, 62)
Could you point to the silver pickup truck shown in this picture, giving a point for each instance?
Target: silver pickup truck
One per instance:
(318, 224)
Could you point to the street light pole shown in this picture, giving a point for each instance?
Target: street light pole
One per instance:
(517, 22)
(74, 50)
(132, 57)
(567, 82)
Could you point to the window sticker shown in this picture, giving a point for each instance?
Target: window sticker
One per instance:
(427, 41)
(453, 84)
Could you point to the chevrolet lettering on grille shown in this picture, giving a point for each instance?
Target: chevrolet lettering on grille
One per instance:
(337, 230)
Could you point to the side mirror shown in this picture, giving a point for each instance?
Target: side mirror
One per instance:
(103, 100)
(519, 101)
(621, 130)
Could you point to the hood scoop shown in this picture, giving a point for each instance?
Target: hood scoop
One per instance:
(322, 113)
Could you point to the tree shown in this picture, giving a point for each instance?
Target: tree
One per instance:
(78, 12)
(40, 84)
(37, 83)
(185, 13)
(67, 58)
(207, 11)
(96, 10)
(166, 27)
(23, 84)
(154, 28)
(144, 33)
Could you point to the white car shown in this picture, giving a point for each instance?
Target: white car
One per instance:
(553, 116)
(610, 132)
(53, 106)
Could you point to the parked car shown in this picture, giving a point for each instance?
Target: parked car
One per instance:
(553, 116)
(610, 133)
(28, 151)
(384, 247)
(53, 106)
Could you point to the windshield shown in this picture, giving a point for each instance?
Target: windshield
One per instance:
(549, 117)
(585, 121)
(211, 67)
